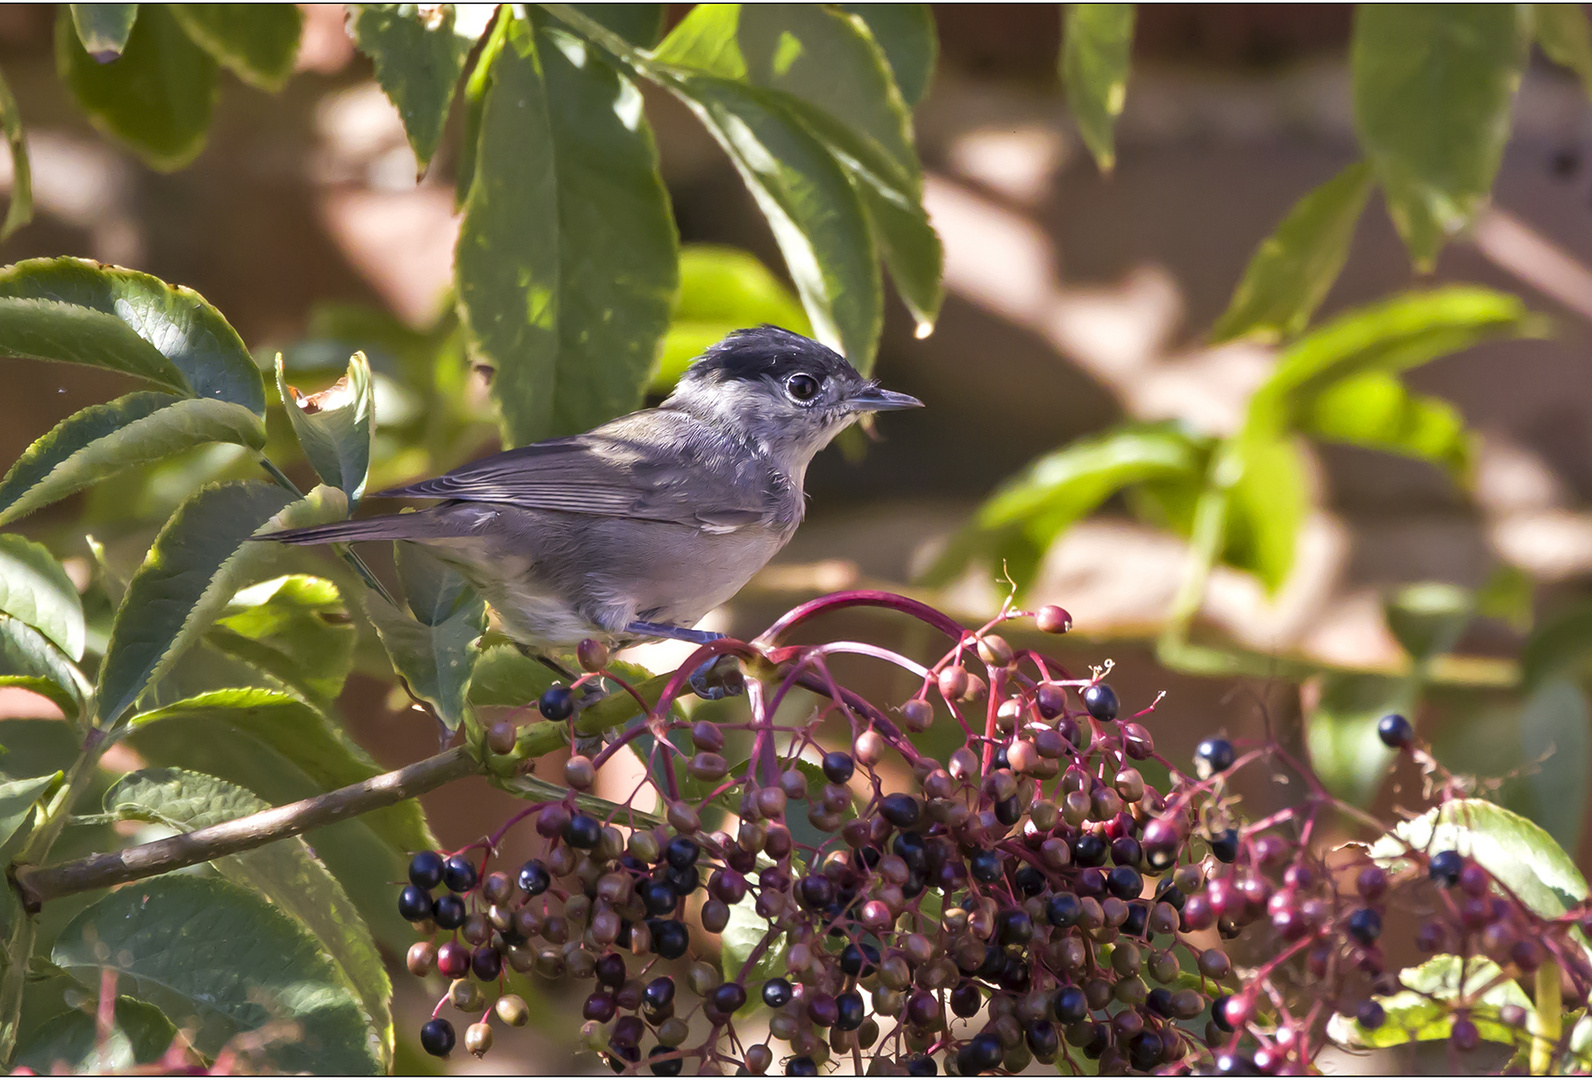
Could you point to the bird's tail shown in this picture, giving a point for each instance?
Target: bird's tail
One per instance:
(420, 526)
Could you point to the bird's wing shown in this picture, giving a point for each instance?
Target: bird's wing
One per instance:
(652, 466)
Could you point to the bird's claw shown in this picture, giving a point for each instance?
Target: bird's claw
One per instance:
(717, 678)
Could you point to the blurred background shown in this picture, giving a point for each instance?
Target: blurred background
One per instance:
(1075, 300)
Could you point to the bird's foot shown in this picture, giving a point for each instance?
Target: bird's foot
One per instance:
(718, 678)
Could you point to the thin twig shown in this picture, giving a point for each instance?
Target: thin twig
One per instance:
(38, 884)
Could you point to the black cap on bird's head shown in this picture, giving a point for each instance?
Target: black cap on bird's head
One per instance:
(807, 375)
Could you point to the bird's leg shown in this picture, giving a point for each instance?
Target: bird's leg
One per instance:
(717, 678)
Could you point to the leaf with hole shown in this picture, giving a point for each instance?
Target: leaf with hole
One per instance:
(1434, 87)
(220, 958)
(334, 425)
(286, 872)
(418, 58)
(156, 96)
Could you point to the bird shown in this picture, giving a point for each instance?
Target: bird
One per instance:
(636, 529)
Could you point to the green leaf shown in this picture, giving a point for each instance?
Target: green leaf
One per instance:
(20, 209)
(103, 28)
(1423, 1011)
(284, 749)
(219, 957)
(35, 589)
(721, 289)
(816, 216)
(257, 42)
(1292, 271)
(295, 629)
(156, 96)
(70, 1041)
(1524, 858)
(88, 313)
(190, 573)
(826, 70)
(1340, 732)
(566, 263)
(418, 59)
(639, 24)
(1390, 336)
(1428, 617)
(1433, 90)
(334, 425)
(1267, 504)
(740, 936)
(508, 678)
(28, 660)
(475, 88)
(17, 799)
(1565, 35)
(1377, 411)
(906, 34)
(287, 873)
(1095, 54)
(433, 647)
(140, 428)
(1556, 748)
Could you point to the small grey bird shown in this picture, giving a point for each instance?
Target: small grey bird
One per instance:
(641, 526)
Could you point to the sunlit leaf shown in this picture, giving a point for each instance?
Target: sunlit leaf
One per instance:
(566, 264)
(256, 42)
(1424, 1010)
(1095, 50)
(1520, 854)
(140, 428)
(1434, 86)
(1340, 732)
(1267, 504)
(295, 629)
(418, 59)
(334, 426)
(1377, 411)
(35, 589)
(156, 96)
(221, 958)
(1294, 268)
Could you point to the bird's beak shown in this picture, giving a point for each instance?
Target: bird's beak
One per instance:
(877, 399)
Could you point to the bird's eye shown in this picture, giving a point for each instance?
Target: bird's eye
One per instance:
(801, 387)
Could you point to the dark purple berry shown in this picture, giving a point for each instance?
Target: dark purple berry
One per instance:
(659, 897)
(610, 969)
(966, 1000)
(1219, 1012)
(1144, 1050)
(1124, 882)
(822, 1010)
(1070, 1005)
(776, 993)
(1371, 1014)
(425, 870)
(838, 766)
(453, 960)
(682, 853)
(985, 866)
(1224, 845)
(1213, 756)
(670, 938)
(1126, 851)
(801, 1066)
(534, 878)
(980, 1054)
(1089, 850)
(583, 831)
(921, 1065)
(436, 1037)
(1445, 868)
(486, 963)
(449, 912)
(558, 703)
(901, 810)
(1008, 811)
(458, 874)
(858, 960)
(1042, 1040)
(849, 1014)
(728, 997)
(1101, 701)
(1364, 925)
(414, 904)
(1395, 732)
(669, 1067)
(659, 993)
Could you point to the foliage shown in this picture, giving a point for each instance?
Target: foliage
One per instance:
(220, 660)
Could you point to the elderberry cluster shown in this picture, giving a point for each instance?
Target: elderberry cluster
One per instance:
(1033, 897)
